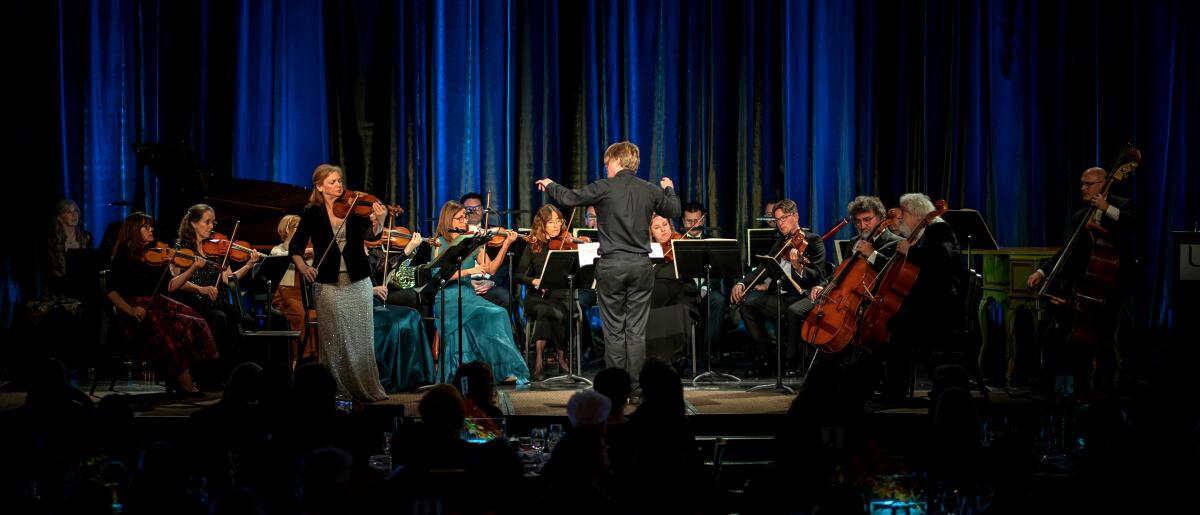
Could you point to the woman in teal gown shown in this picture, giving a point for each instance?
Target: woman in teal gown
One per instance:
(402, 351)
(487, 335)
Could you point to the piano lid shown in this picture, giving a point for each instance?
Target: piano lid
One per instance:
(183, 182)
(258, 204)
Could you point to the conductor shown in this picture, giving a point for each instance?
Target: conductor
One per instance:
(624, 275)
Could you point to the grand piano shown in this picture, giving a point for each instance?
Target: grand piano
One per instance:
(258, 205)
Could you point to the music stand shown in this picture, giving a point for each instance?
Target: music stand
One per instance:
(448, 263)
(270, 270)
(968, 226)
(696, 259)
(561, 271)
(759, 242)
(778, 275)
(843, 250)
(591, 234)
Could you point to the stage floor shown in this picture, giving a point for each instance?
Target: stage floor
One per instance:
(535, 399)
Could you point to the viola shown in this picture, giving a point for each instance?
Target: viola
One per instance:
(361, 204)
(218, 244)
(162, 254)
(834, 320)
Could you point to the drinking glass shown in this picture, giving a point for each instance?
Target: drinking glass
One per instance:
(538, 439)
(556, 434)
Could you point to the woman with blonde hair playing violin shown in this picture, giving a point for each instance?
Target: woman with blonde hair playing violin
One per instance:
(343, 284)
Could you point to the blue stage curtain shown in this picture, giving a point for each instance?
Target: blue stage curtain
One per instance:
(992, 105)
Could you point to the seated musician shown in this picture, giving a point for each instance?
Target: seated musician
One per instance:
(65, 234)
(668, 290)
(867, 213)
(172, 334)
(696, 217)
(207, 290)
(287, 297)
(495, 286)
(805, 271)
(486, 327)
(401, 279)
(923, 316)
(402, 350)
(548, 307)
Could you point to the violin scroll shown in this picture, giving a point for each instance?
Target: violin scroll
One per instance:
(360, 203)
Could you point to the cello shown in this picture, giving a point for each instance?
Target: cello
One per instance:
(838, 309)
(1088, 296)
(892, 286)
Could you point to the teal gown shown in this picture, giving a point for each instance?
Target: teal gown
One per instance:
(487, 335)
(402, 351)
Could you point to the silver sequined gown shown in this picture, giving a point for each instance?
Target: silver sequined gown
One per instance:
(347, 335)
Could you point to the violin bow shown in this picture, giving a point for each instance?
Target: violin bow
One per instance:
(695, 225)
(232, 238)
(338, 231)
(567, 227)
(387, 254)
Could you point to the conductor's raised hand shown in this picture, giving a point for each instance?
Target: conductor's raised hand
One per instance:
(665, 182)
(543, 184)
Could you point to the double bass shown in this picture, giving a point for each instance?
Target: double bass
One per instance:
(892, 286)
(1088, 296)
(838, 310)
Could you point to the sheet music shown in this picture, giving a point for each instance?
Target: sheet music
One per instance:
(588, 252)
(656, 250)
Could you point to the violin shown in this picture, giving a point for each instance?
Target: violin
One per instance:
(797, 241)
(564, 241)
(669, 253)
(361, 204)
(499, 234)
(162, 254)
(218, 244)
(398, 238)
(395, 236)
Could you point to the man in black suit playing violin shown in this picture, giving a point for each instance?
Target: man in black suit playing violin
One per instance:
(806, 270)
(1116, 219)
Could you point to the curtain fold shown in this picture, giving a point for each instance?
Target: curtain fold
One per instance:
(992, 105)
